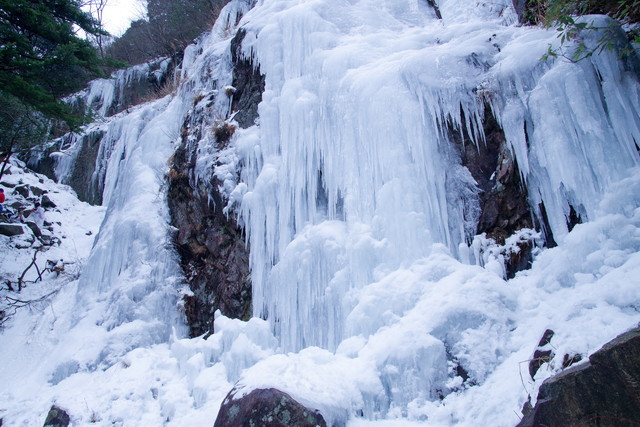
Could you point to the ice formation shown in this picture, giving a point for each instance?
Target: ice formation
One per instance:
(366, 296)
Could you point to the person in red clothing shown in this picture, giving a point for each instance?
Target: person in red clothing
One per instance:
(1, 199)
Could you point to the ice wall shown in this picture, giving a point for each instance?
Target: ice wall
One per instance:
(349, 180)
(108, 96)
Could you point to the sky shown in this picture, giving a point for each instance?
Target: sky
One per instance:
(118, 14)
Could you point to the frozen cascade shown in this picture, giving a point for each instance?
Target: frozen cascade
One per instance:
(106, 97)
(581, 123)
(354, 203)
(349, 181)
(130, 286)
(349, 133)
(351, 175)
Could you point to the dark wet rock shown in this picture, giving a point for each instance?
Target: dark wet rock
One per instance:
(503, 198)
(47, 203)
(604, 391)
(543, 225)
(519, 260)
(212, 250)
(11, 229)
(266, 408)
(248, 84)
(87, 186)
(57, 417)
(435, 7)
(22, 190)
(573, 219)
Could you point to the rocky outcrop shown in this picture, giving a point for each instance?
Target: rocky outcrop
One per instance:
(128, 87)
(151, 81)
(211, 245)
(248, 84)
(604, 391)
(212, 249)
(504, 203)
(81, 178)
(266, 408)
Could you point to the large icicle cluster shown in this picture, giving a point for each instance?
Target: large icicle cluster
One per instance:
(352, 178)
(354, 173)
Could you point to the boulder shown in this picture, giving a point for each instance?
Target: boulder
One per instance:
(22, 190)
(34, 228)
(266, 408)
(57, 417)
(47, 203)
(11, 229)
(604, 391)
(37, 191)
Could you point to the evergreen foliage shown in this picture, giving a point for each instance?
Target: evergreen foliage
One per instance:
(41, 56)
(42, 59)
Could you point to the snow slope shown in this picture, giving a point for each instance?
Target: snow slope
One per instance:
(345, 190)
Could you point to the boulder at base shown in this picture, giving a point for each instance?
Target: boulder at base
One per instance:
(57, 417)
(266, 408)
(605, 391)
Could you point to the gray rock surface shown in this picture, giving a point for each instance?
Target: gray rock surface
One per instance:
(603, 392)
(266, 408)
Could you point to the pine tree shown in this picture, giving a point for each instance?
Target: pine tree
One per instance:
(42, 59)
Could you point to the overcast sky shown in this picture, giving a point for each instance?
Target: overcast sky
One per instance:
(118, 14)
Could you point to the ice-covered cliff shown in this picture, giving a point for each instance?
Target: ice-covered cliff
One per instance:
(351, 159)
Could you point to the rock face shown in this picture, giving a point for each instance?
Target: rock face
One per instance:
(212, 248)
(504, 200)
(266, 408)
(212, 251)
(81, 179)
(605, 391)
(248, 82)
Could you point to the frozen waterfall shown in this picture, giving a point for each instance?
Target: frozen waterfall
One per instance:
(368, 303)
(352, 177)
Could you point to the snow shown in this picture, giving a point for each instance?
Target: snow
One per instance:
(357, 213)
